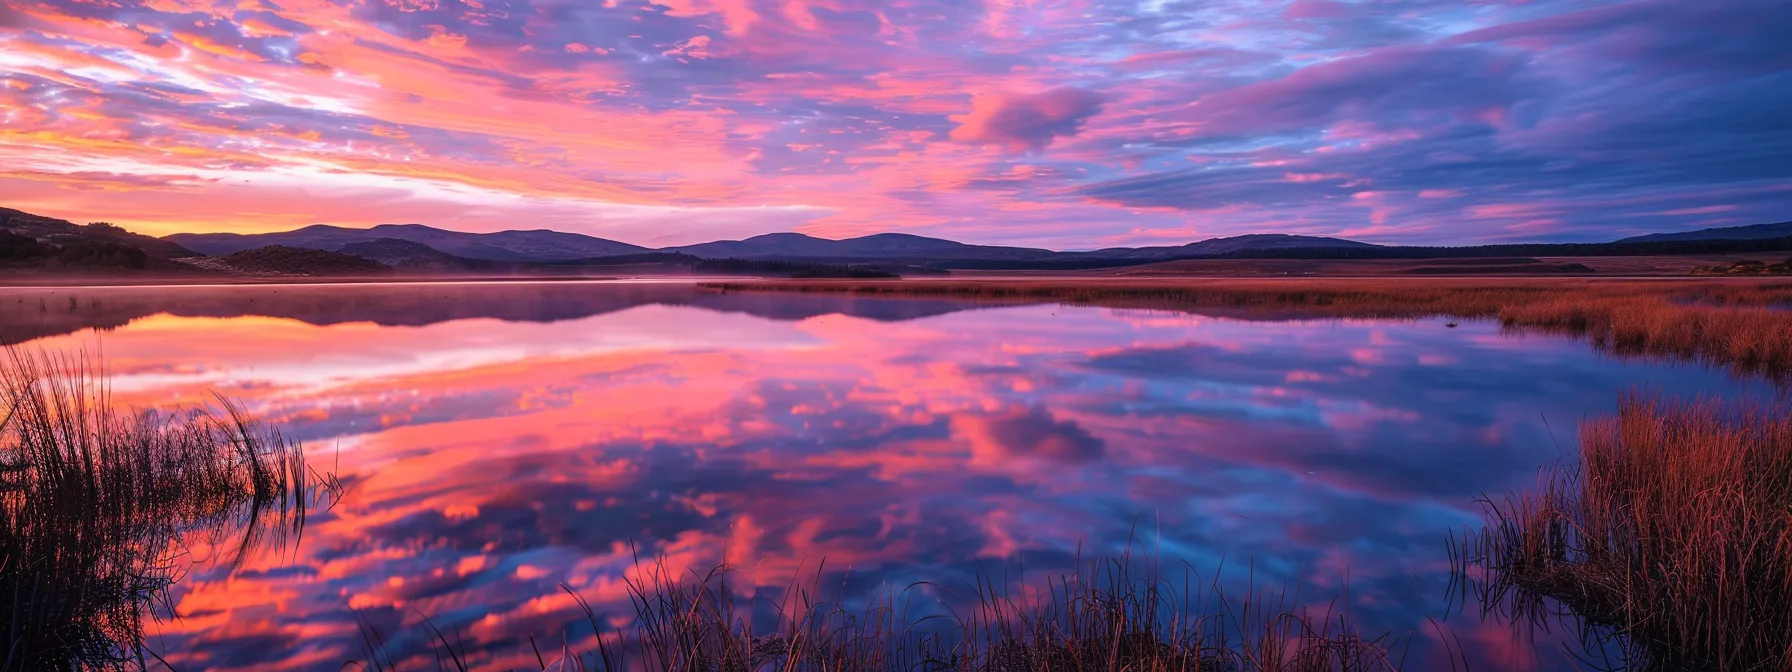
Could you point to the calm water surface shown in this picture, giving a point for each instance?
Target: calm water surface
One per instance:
(502, 439)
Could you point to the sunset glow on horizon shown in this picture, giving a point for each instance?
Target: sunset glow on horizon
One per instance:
(1068, 124)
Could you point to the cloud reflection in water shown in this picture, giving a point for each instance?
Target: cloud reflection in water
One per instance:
(494, 458)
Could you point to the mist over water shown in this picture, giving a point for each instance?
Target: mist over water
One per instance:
(499, 440)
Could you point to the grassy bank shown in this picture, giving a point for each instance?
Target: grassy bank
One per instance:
(95, 502)
(1741, 325)
(1672, 532)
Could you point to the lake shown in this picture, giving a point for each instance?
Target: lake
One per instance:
(502, 439)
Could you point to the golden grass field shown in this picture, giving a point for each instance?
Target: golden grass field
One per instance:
(1742, 324)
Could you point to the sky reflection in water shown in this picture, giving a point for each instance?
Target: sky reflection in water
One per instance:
(505, 439)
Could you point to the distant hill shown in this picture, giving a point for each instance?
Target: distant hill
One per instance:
(533, 246)
(1752, 232)
(403, 253)
(879, 246)
(677, 262)
(1269, 241)
(406, 255)
(279, 260)
(1219, 247)
(35, 242)
(64, 233)
(555, 247)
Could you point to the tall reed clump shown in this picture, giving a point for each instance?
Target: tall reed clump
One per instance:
(1673, 532)
(1110, 615)
(95, 503)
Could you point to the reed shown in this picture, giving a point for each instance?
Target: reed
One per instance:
(1108, 615)
(96, 501)
(1741, 325)
(1671, 533)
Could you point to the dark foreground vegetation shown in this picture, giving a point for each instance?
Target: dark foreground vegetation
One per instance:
(1742, 325)
(1113, 615)
(65, 234)
(280, 260)
(1670, 537)
(95, 503)
(17, 250)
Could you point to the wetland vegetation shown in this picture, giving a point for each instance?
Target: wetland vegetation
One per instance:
(97, 503)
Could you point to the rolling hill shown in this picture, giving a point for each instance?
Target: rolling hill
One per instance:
(1752, 232)
(37, 242)
(409, 256)
(555, 247)
(282, 261)
(64, 233)
(533, 246)
(1219, 247)
(939, 254)
(879, 246)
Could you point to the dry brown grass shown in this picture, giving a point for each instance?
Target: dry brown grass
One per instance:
(1673, 531)
(1740, 324)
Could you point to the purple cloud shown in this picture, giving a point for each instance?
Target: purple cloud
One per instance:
(11, 18)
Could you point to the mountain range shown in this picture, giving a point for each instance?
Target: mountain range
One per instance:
(538, 245)
(542, 246)
(416, 246)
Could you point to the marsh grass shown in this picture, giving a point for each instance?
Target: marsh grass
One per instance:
(97, 507)
(1670, 537)
(1113, 615)
(1732, 324)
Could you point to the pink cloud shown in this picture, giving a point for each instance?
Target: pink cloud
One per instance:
(1314, 177)
(1019, 122)
(695, 48)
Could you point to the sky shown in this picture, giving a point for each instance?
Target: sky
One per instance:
(1069, 124)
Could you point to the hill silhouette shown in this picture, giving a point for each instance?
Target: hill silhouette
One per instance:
(47, 243)
(69, 235)
(281, 260)
(537, 245)
(1752, 232)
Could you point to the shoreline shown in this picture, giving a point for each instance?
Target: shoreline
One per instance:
(818, 284)
(252, 281)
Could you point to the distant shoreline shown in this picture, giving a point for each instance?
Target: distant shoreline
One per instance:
(61, 281)
(1562, 268)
